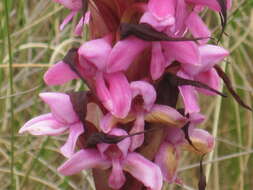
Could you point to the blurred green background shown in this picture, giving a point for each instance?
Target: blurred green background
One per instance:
(36, 42)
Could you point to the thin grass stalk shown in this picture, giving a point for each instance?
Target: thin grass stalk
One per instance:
(11, 92)
(215, 127)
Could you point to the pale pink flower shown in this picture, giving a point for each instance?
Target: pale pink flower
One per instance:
(117, 157)
(62, 118)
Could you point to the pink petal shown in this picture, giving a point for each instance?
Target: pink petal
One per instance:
(124, 52)
(117, 177)
(165, 115)
(74, 132)
(209, 56)
(197, 27)
(58, 74)
(137, 140)
(96, 52)
(181, 15)
(211, 78)
(61, 107)
(157, 65)
(82, 160)
(196, 118)
(175, 136)
(103, 92)
(162, 9)
(82, 21)
(122, 145)
(75, 5)
(150, 19)
(144, 170)
(67, 19)
(107, 123)
(120, 92)
(147, 92)
(212, 4)
(184, 52)
(189, 95)
(43, 125)
(167, 159)
(201, 139)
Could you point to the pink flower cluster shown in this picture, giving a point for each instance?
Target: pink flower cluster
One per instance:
(134, 87)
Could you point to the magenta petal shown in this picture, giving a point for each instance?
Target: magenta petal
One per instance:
(181, 15)
(96, 52)
(43, 125)
(211, 78)
(107, 123)
(117, 177)
(74, 132)
(75, 5)
(122, 145)
(184, 52)
(82, 21)
(103, 92)
(157, 65)
(124, 52)
(212, 4)
(137, 140)
(144, 170)
(189, 96)
(162, 9)
(120, 92)
(82, 160)
(58, 74)
(67, 19)
(167, 159)
(147, 92)
(60, 106)
(197, 27)
(150, 19)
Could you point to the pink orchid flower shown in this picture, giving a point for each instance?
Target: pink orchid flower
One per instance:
(62, 118)
(169, 153)
(96, 60)
(119, 159)
(143, 109)
(75, 7)
(209, 55)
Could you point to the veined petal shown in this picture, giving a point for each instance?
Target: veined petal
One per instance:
(43, 125)
(162, 9)
(124, 52)
(82, 160)
(96, 52)
(181, 14)
(211, 78)
(117, 177)
(197, 27)
(184, 52)
(120, 93)
(165, 115)
(74, 132)
(58, 74)
(61, 106)
(147, 92)
(144, 170)
(103, 92)
(158, 61)
(137, 140)
(167, 159)
(201, 139)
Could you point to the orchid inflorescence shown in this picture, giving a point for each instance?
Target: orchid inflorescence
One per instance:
(144, 57)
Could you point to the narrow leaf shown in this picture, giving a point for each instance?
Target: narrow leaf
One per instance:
(228, 84)
(148, 33)
(178, 81)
